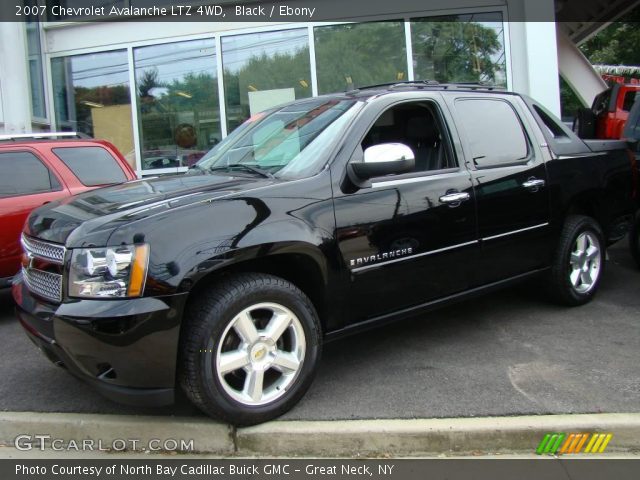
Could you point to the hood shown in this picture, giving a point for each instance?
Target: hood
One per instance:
(89, 218)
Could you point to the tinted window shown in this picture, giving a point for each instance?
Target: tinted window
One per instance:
(21, 173)
(92, 165)
(493, 131)
(415, 125)
(629, 98)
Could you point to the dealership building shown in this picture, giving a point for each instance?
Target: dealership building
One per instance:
(165, 93)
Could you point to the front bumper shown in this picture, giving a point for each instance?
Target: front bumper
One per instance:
(125, 348)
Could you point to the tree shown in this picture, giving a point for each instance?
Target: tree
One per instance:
(617, 44)
(457, 51)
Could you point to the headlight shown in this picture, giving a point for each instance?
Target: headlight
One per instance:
(108, 272)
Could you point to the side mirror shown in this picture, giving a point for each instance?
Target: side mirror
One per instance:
(384, 159)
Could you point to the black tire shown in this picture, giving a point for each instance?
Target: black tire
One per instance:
(634, 240)
(561, 286)
(209, 319)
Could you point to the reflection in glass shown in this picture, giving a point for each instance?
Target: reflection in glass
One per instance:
(263, 70)
(177, 90)
(34, 53)
(91, 95)
(287, 142)
(459, 48)
(356, 55)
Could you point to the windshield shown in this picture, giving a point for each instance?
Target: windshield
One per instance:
(289, 142)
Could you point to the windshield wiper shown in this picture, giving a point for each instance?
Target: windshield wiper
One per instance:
(245, 167)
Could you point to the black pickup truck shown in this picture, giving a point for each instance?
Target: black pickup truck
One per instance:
(309, 222)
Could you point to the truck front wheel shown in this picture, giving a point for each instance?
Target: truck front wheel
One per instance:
(579, 261)
(250, 348)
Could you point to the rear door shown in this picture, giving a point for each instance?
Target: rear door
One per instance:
(26, 183)
(509, 175)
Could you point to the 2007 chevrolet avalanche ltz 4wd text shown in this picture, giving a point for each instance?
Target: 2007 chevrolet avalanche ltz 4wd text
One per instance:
(311, 221)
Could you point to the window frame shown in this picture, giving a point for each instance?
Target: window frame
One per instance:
(52, 174)
(447, 139)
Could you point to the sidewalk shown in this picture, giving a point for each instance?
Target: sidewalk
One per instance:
(352, 438)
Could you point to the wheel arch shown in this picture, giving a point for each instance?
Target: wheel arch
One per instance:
(302, 264)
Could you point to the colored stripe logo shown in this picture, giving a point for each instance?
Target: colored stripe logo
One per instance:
(564, 444)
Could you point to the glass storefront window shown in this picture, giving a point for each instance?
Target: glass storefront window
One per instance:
(91, 95)
(34, 52)
(263, 70)
(178, 105)
(355, 55)
(459, 48)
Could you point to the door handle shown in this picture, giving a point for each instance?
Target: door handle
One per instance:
(534, 184)
(455, 199)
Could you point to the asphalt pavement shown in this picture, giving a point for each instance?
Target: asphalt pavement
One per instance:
(509, 353)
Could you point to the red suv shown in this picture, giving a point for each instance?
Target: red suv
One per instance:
(39, 168)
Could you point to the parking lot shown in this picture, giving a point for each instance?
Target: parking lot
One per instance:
(509, 353)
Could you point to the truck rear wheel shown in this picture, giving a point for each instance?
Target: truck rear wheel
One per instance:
(250, 348)
(579, 261)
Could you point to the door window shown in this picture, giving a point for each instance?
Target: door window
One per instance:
(494, 132)
(21, 173)
(417, 126)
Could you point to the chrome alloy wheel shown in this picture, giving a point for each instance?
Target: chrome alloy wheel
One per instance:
(260, 353)
(584, 263)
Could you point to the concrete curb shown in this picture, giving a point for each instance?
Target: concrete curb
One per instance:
(423, 437)
(208, 436)
(330, 438)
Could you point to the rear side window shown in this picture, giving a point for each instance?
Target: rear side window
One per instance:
(92, 165)
(494, 132)
(22, 173)
(555, 130)
(629, 98)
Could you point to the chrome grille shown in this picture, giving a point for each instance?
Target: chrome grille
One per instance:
(48, 251)
(45, 284)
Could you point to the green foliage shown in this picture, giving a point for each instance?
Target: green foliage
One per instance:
(353, 55)
(617, 44)
(266, 72)
(190, 100)
(347, 56)
(569, 101)
(457, 51)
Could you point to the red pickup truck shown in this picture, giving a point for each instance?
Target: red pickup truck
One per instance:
(38, 168)
(608, 114)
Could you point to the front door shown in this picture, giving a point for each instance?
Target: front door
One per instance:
(410, 238)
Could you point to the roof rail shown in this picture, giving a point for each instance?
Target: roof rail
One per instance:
(474, 85)
(432, 84)
(41, 135)
(417, 83)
